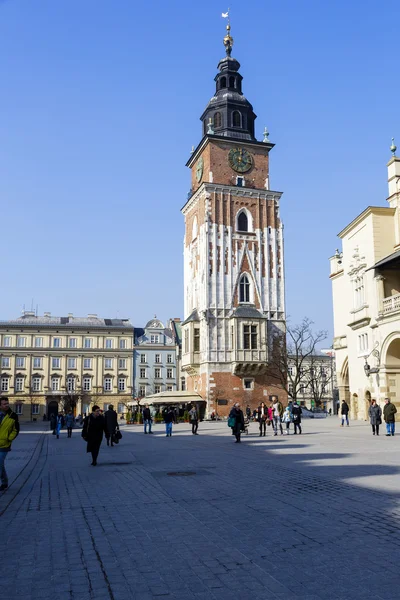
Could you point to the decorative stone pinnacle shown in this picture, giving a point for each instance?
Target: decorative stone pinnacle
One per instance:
(266, 134)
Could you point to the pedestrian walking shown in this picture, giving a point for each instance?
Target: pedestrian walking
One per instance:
(93, 428)
(262, 416)
(296, 416)
(69, 421)
(60, 422)
(53, 422)
(389, 410)
(248, 412)
(169, 418)
(277, 416)
(9, 429)
(344, 411)
(111, 418)
(236, 415)
(194, 419)
(147, 420)
(375, 416)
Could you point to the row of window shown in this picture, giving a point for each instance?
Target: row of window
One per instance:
(20, 362)
(157, 358)
(157, 373)
(236, 119)
(303, 387)
(302, 372)
(157, 389)
(250, 336)
(55, 384)
(56, 342)
(231, 81)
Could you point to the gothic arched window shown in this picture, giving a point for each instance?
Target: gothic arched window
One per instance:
(236, 119)
(231, 81)
(222, 83)
(244, 289)
(242, 222)
(217, 120)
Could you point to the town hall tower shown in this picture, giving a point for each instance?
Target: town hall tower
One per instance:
(233, 254)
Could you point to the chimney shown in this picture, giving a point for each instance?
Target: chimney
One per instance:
(70, 315)
(177, 320)
(92, 316)
(47, 314)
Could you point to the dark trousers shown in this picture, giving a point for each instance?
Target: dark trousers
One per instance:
(95, 451)
(195, 426)
(375, 429)
(296, 425)
(263, 426)
(69, 430)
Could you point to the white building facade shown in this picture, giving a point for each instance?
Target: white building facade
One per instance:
(366, 302)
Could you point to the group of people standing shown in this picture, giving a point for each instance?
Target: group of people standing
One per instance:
(274, 415)
(95, 425)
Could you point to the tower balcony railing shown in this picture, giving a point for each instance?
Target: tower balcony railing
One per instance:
(391, 304)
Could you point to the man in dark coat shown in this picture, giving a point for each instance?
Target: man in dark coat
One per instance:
(147, 420)
(111, 418)
(194, 419)
(262, 416)
(93, 428)
(237, 414)
(344, 411)
(296, 416)
(389, 410)
(169, 418)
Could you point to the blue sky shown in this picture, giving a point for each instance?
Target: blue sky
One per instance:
(100, 105)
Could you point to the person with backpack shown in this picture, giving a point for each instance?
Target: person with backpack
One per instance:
(296, 417)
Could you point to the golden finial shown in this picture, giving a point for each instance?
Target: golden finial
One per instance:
(228, 40)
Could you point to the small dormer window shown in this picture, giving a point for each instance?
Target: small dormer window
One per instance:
(217, 120)
(236, 119)
(240, 181)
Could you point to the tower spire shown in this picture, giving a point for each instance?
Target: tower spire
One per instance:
(228, 40)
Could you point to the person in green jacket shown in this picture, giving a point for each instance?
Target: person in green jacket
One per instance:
(9, 429)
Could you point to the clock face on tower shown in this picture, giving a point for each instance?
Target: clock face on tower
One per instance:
(199, 169)
(240, 160)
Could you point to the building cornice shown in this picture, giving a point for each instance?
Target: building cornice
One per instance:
(370, 210)
(210, 188)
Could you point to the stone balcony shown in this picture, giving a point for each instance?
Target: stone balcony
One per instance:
(391, 304)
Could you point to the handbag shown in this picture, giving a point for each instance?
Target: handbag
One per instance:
(118, 435)
(231, 421)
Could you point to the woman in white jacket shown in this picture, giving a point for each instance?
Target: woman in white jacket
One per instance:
(287, 418)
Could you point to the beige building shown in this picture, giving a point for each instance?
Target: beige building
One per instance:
(366, 302)
(51, 363)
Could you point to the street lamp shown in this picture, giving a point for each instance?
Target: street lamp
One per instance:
(375, 352)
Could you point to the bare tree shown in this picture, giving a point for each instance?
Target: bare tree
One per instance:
(289, 362)
(319, 378)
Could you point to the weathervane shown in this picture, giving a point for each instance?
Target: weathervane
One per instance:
(228, 40)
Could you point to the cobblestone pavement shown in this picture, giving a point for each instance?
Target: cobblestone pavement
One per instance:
(311, 517)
